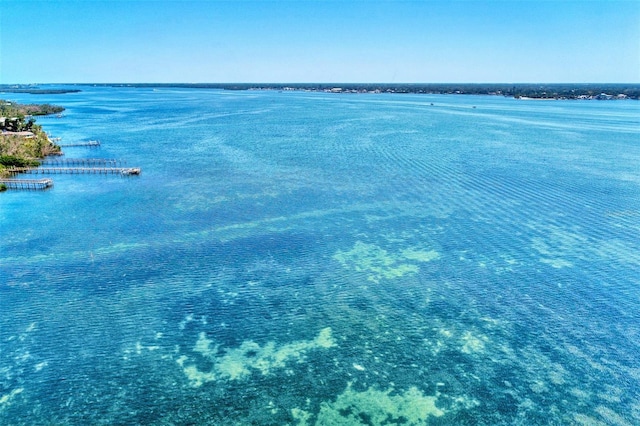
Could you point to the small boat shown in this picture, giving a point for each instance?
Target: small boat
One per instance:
(132, 171)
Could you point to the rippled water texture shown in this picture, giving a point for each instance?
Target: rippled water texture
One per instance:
(306, 258)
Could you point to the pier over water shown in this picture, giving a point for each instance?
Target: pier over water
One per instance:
(126, 171)
(88, 143)
(28, 184)
(104, 162)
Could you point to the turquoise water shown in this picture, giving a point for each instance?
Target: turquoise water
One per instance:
(308, 258)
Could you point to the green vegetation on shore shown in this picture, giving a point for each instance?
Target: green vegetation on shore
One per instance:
(585, 91)
(12, 109)
(34, 90)
(589, 91)
(22, 141)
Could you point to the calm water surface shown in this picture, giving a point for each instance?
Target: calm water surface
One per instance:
(305, 258)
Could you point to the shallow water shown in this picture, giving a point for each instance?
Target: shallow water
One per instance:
(307, 258)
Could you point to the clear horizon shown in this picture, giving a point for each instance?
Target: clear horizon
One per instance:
(348, 42)
(280, 83)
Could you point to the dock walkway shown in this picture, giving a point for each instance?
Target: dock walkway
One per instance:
(31, 184)
(89, 144)
(126, 171)
(106, 162)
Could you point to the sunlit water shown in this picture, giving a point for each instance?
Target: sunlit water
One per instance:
(306, 258)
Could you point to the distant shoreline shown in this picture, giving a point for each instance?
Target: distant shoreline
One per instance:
(557, 91)
(37, 91)
(604, 91)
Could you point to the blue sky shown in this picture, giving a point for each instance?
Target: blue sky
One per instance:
(131, 41)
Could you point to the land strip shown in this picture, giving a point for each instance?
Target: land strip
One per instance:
(22, 141)
(590, 91)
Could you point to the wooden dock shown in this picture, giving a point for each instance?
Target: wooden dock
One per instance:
(89, 144)
(105, 162)
(29, 184)
(125, 171)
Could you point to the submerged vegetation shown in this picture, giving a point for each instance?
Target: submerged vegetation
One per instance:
(22, 141)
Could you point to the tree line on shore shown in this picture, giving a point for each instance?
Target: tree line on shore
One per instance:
(22, 141)
(600, 91)
(519, 90)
